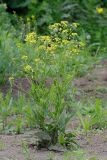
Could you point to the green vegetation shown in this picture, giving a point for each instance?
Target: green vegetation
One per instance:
(51, 45)
(17, 3)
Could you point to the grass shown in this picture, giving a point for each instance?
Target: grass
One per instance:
(2, 146)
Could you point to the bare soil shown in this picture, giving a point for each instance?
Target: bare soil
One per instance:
(94, 84)
(11, 148)
(94, 144)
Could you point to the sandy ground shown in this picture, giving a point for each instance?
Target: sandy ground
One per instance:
(11, 148)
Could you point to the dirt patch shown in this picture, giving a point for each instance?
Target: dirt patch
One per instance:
(20, 85)
(95, 144)
(13, 150)
(94, 84)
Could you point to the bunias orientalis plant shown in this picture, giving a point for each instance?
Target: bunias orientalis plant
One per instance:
(48, 61)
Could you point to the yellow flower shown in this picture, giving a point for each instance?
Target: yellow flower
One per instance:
(31, 38)
(52, 48)
(41, 47)
(55, 27)
(82, 44)
(28, 68)
(28, 19)
(19, 45)
(75, 24)
(37, 60)
(64, 23)
(74, 34)
(11, 79)
(75, 50)
(24, 57)
(64, 31)
(65, 42)
(33, 17)
(45, 39)
(56, 39)
(99, 10)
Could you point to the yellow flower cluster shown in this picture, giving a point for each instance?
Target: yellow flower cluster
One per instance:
(29, 19)
(55, 26)
(37, 60)
(64, 23)
(81, 44)
(75, 50)
(31, 38)
(11, 78)
(65, 31)
(75, 24)
(28, 68)
(41, 48)
(74, 34)
(65, 41)
(51, 48)
(56, 39)
(19, 45)
(33, 17)
(99, 10)
(44, 39)
(59, 26)
(24, 57)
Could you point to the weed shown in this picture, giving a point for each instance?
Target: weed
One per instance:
(94, 117)
(26, 151)
(2, 145)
